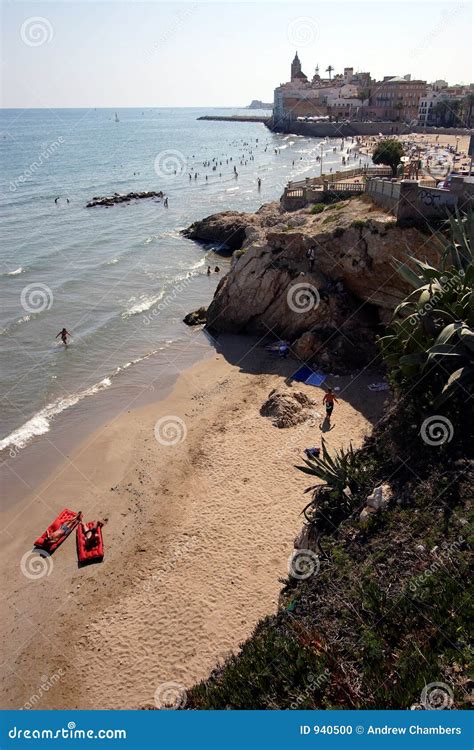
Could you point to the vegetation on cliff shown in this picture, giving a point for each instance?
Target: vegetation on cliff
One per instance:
(375, 612)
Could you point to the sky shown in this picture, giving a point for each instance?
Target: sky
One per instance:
(177, 54)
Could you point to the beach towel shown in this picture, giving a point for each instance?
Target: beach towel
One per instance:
(89, 550)
(312, 452)
(42, 542)
(379, 387)
(308, 376)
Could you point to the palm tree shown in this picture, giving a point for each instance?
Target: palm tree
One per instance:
(329, 70)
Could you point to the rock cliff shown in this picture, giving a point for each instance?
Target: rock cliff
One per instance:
(273, 287)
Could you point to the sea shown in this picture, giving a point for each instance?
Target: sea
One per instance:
(119, 279)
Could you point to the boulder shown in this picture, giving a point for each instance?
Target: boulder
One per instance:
(378, 500)
(196, 318)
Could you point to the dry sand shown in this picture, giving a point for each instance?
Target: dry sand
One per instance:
(198, 535)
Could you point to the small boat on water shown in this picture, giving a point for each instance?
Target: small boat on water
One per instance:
(116, 117)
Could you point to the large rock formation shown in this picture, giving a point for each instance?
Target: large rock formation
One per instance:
(351, 288)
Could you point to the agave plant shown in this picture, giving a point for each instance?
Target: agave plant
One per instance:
(335, 472)
(332, 501)
(433, 328)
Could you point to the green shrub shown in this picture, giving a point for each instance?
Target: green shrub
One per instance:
(317, 208)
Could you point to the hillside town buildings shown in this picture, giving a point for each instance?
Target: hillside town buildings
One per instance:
(356, 96)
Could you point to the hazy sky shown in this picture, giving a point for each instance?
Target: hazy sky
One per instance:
(113, 54)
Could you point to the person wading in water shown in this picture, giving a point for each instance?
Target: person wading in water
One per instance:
(64, 334)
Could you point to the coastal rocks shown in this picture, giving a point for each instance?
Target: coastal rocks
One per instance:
(287, 408)
(229, 227)
(355, 245)
(196, 318)
(378, 500)
(111, 200)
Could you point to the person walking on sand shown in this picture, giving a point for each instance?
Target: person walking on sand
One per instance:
(64, 334)
(328, 400)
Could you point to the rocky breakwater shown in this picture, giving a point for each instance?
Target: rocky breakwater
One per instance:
(330, 308)
(111, 200)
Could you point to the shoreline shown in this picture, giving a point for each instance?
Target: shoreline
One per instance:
(192, 562)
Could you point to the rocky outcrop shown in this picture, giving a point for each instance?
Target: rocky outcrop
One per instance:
(196, 318)
(229, 228)
(329, 309)
(270, 286)
(111, 200)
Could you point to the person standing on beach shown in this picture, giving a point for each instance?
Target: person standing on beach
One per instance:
(64, 334)
(311, 255)
(329, 399)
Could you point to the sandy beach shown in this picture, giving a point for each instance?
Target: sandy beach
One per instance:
(200, 524)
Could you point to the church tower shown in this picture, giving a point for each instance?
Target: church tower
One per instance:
(296, 72)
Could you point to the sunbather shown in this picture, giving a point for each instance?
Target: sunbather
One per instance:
(65, 529)
(91, 532)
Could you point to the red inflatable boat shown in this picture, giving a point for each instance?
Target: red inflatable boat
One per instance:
(90, 549)
(63, 522)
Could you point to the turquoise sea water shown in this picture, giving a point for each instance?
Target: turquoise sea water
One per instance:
(119, 279)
